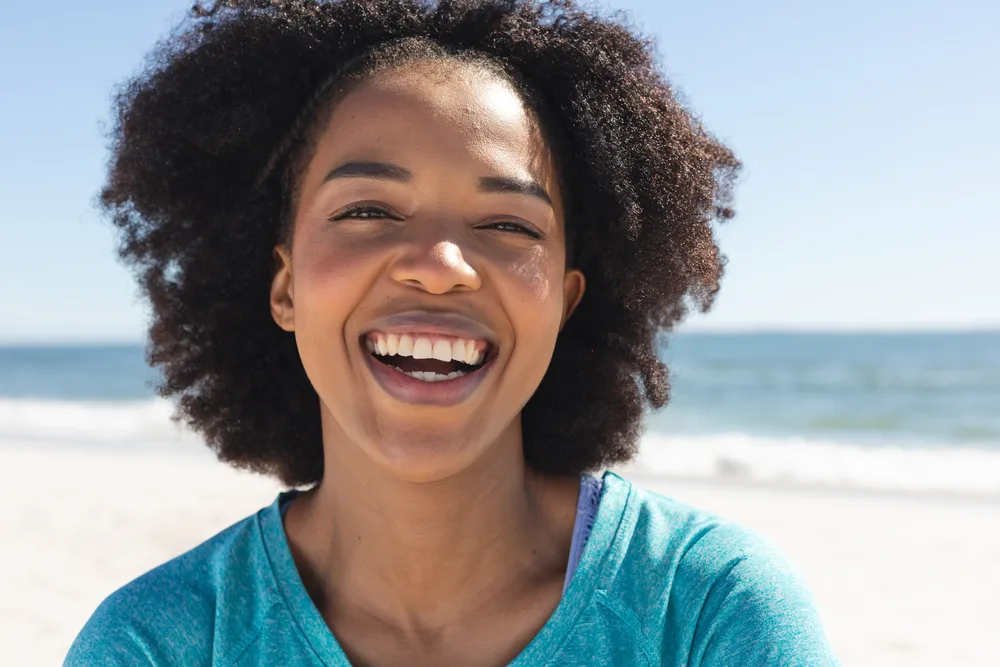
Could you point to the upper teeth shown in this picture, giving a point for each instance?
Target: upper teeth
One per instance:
(419, 347)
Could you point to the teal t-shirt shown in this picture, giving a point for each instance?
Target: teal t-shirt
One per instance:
(658, 583)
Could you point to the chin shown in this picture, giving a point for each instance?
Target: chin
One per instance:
(426, 457)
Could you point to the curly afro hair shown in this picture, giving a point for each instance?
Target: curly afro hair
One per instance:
(206, 148)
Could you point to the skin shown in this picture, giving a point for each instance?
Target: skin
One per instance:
(428, 540)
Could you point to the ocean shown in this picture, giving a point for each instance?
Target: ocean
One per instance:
(894, 412)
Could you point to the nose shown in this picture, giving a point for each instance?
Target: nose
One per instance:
(437, 269)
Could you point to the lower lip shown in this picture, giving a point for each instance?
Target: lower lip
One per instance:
(404, 388)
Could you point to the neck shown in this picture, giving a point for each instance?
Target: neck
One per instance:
(425, 553)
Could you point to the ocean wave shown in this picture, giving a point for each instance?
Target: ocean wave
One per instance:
(947, 468)
(97, 423)
(806, 462)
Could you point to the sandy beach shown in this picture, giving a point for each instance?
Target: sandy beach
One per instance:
(899, 579)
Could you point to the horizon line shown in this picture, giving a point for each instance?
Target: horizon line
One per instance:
(737, 331)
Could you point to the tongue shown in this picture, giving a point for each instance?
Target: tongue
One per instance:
(408, 364)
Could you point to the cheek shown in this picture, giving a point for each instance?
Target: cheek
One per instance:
(537, 273)
(331, 277)
(533, 278)
(535, 296)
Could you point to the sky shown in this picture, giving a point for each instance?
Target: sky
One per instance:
(868, 133)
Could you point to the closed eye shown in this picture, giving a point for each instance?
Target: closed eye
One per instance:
(508, 226)
(363, 212)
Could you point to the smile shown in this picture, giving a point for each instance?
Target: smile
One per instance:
(428, 368)
(427, 357)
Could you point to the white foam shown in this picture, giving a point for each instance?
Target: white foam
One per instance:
(144, 423)
(141, 425)
(947, 469)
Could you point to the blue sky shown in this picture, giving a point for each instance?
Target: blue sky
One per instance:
(868, 129)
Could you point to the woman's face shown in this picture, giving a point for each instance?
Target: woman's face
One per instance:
(426, 278)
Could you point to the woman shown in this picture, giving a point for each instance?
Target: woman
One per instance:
(414, 258)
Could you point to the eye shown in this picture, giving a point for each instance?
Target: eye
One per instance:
(516, 227)
(362, 212)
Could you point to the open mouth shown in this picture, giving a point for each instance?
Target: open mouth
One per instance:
(428, 357)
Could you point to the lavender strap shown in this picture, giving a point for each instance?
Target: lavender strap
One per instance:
(586, 511)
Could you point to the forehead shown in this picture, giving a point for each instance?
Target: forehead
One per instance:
(439, 115)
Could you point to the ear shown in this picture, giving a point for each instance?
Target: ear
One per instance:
(574, 285)
(282, 298)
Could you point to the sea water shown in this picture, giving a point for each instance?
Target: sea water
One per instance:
(904, 412)
(917, 412)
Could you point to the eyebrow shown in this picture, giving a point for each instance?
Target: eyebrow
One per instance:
(386, 171)
(514, 185)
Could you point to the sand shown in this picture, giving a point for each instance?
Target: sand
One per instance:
(899, 580)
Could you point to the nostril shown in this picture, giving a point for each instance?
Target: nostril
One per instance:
(437, 280)
(437, 268)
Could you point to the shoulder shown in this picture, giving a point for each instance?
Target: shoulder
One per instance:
(714, 590)
(194, 609)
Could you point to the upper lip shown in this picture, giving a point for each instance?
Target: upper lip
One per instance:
(442, 323)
